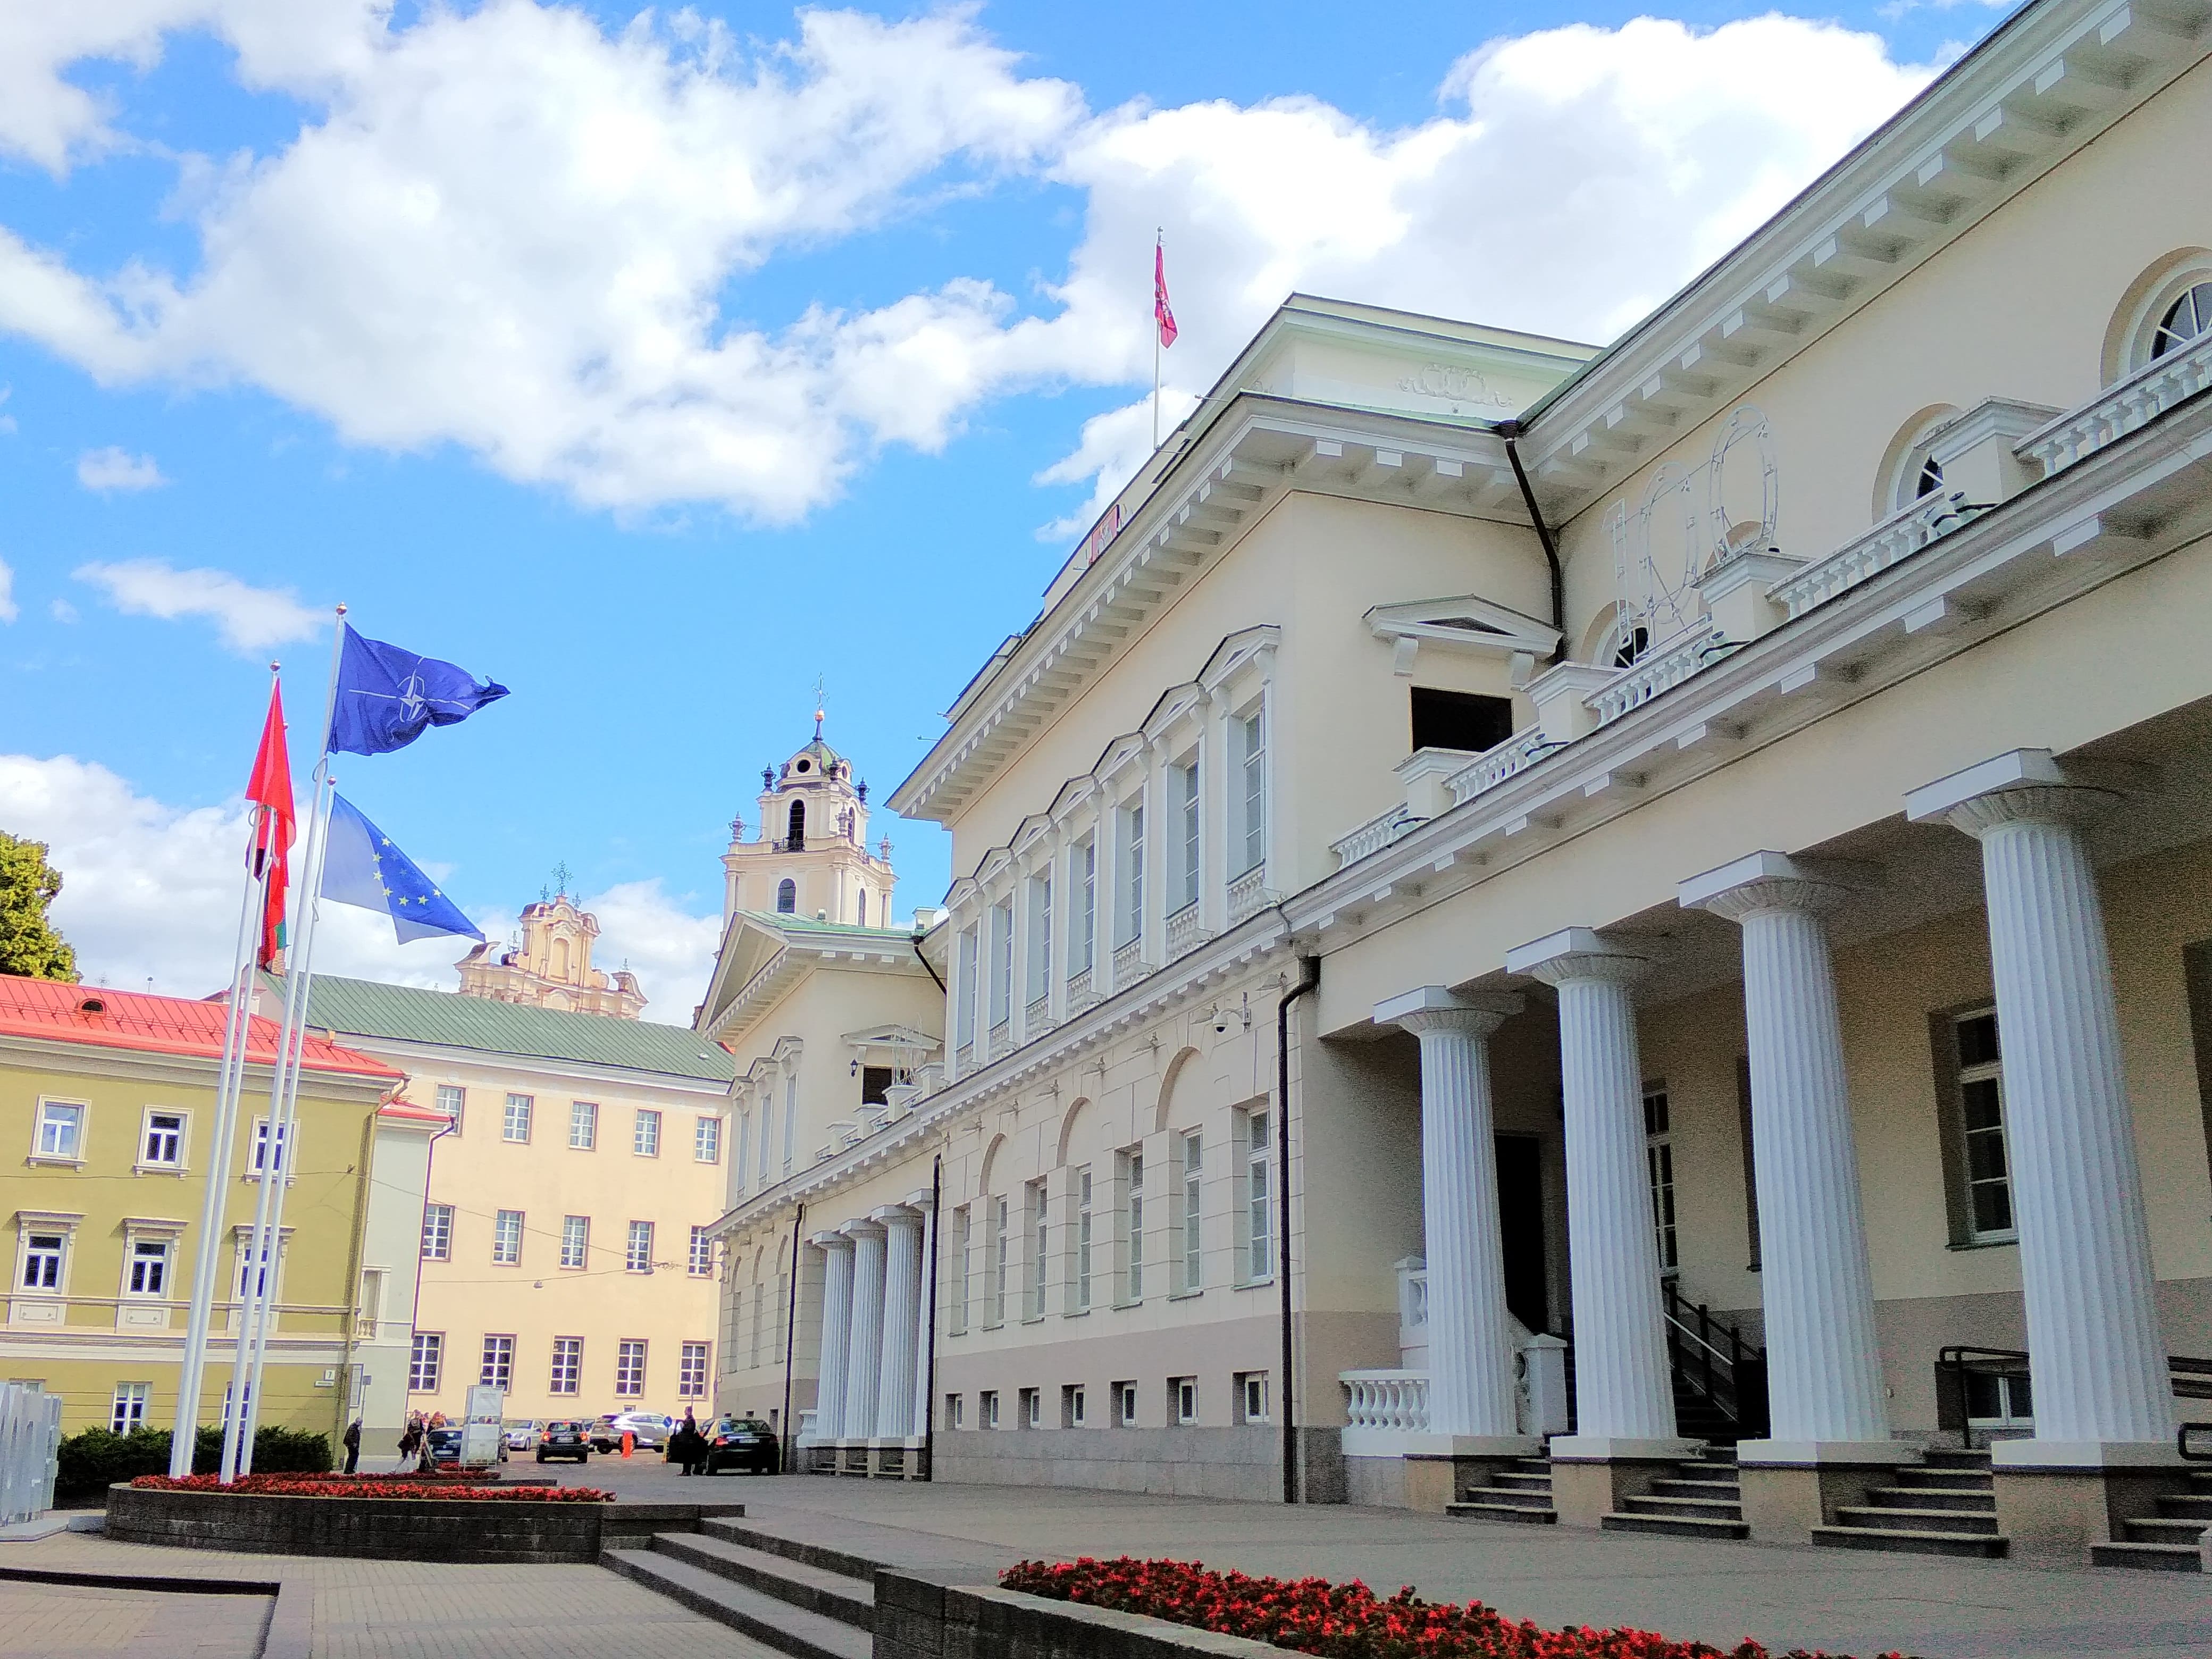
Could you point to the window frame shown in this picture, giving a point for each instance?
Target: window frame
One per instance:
(1251, 772)
(1250, 1384)
(693, 1364)
(507, 1237)
(143, 1250)
(584, 1120)
(443, 1215)
(495, 1365)
(286, 1140)
(632, 1355)
(1952, 1134)
(1255, 1182)
(1659, 1171)
(1083, 1241)
(645, 1132)
(28, 1231)
(699, 1263)
(631, 1239)
(127, 1405)
(1190, 826)
(80, 1121)
(179, 1161)
(1129, 1178)
(1129, 825)
(527, 1106)
(576, 1242)
(706, 1138)
(568, 1351)
(1182, 1402)
(426, 1356)
(456, 1109)
(1038, 1214)
(1082, 958)
(1190, 1170)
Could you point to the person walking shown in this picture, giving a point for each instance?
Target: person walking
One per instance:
(411, 1443)
(353, 1446)
(683, 1446)
(701, 1448)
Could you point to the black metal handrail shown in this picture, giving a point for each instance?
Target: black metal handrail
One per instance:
(2191, 1378)
(1714, 1360)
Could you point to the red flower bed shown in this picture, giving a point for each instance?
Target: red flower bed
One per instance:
(1344, 1621)
(373, 1485)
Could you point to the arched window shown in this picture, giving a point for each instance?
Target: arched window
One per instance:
(787, 898)
(2166, 310)
(795, 836)
(1629, 638)
(2189, 316)
(864, 907)
(1910, 471)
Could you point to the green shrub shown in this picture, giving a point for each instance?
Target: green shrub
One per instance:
(95, 1459)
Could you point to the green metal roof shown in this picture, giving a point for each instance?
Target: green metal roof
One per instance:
(407, 1013)
(792, 925)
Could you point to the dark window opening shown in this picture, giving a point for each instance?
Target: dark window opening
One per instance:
(1930, 479)
(2184, 320)
(787, 898)
(1460, 719)
(876, 1081)
(795, 839)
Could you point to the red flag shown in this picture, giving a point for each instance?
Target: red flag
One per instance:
(1163, 312)
(270, 788)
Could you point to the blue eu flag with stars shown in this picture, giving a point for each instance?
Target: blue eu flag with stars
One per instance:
(361, 867)
(388, 696)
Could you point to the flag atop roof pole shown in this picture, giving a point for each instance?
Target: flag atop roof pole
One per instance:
(207, 1262)
(1164, 322)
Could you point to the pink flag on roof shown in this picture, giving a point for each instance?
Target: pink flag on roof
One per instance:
(1163, 312)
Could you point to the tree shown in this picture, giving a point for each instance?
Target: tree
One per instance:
(28, 943)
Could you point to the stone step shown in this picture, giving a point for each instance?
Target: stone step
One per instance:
(2165, 1529)
(1984, 1526)
(1533, 1465)
(1947, 1479)
(1525, 1515)
(1941, 1458)
(1518, 1498)
(1712, 1508)
(1514, 1481)
(1670, 1488)
(778, 1625)
(832, 1594)
(824, 1556)
(1931, 1542)
(2189, 1504)
(1934, 1499)
(1675, 1526)
(2156, 1558)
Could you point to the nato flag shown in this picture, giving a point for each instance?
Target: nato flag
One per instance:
(360, 866)
(388, 696)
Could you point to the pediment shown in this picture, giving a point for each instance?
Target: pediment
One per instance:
(1467, 622)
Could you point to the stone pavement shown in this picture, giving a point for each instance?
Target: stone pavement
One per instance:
(70, 1621)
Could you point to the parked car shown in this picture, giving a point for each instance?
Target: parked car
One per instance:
(446, 1447)
(566, 1437)
(648, 1430)
(522, 1433)
(741, 1442)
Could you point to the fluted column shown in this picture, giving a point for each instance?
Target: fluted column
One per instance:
(1623, 1393)
(1824, 1383)
(865, 1362)
(1471, 1347)
(2095, 1356)
(837, 1335)
(923, 1305)
(902, 1300)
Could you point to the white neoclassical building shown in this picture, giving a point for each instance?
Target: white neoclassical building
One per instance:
(1617, 938)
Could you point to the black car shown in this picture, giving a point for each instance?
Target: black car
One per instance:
(741, 1442)
(446, 1447)
(566, 1437)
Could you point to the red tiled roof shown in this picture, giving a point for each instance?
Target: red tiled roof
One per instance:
(159, 1025)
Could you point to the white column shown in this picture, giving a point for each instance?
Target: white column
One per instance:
(1019, 897)
(2096, 1359)
(865, 1358)
(1157, 840)
(1825, 1387)
(837, 1335)
(1624, 1398)
(1471, 1345)
(902, 1299)
(931, 1249)
(1106, 836)
(956, 989)
(1213, 779)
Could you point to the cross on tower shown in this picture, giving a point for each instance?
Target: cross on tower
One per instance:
(561, 874)
(820, 694)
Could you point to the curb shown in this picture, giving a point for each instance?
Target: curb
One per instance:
(288, 1634)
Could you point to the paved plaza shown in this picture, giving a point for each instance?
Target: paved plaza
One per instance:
(1838, 1600)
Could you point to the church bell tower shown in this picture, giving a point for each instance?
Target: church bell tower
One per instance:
(810, 859)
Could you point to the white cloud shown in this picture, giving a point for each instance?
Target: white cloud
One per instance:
(250, 619)
(113, 468)
(9, 610)
(670, 951)
(7, 421)
(62, 610)
(510, 230)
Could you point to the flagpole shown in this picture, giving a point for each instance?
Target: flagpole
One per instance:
(1159, 244)
(191, 1371)
(258, 1288)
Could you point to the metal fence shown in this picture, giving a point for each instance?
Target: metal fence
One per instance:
(30, 1441)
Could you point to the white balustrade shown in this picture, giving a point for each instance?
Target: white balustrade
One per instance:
(2135, 402)
(1129, 961)
(1184, 933)
(1080, 993)
(1898, 536)
(1388, 1402)
(1663, 667)
(1036, 1018)
(1373, 835)
(1493, 766)
(1248, 892)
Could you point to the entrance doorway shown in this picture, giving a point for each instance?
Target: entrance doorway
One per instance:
(1521, 1227)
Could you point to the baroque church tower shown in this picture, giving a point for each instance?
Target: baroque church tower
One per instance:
(811, 858)
(552, 968)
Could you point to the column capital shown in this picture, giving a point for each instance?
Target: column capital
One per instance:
(1433, 1008)
(1576, 953)
(922, 1200)
(831, 1240)
(859, 1227)
(1774, 881)
(2022, 786)
(894, 1215)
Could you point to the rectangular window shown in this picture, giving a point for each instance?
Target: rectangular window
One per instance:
(452, 1101)
(583, 1124)
(956, 1415)
(1002, 963)
(514, 1122)
(260, 1160)
(970, 960)
(1187, 805)
(42, 1261)
(437, 1232)
(645, 1133)
(250, 1284)
(1981, 1111)
(1001, 1241)
(128, 1411)
(507, 1238)
(987, 1409)
(1083, 1239)
(1125, 1404)
(1193, 1259)
(149, 1267)
(1072, 1413)
(1253, 733)
(61, 1129)
(768, 1135)
(963, 1222)
(790, 1119)
(1132, 1187)
(1083, 924)
(630, 1368)
(1259, 1192)
(700, 1264)
(165, 1141)
(637, 1256)
(1460, 719)
(741, 1124)
(1132, 874)
(691, 1372)
(1040, 1246)
(575, 1241)
(568, 1366)
(1032, 1408)
(1252, 1396)
(1040, 968)
(424, 1360)
(372, 1303)
(707, 1140)
(498, 1370)
(1182, 1398)
(1659, 1155)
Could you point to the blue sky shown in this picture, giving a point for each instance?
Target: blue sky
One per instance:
(656, 367)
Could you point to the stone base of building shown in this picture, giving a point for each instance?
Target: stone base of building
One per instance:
(2055, 1499)
(1592, 1473)
(1241, 1463)
(1791, 1486)
(1429, 1477)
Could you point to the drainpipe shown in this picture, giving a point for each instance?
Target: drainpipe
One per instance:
(927, 969)
(1509, 430)
(936, 1231)
(1309, 979)
(790, 1333)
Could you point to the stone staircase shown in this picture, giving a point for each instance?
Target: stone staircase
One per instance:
(808, 1600)
(2168, 1541)
(1702, 1499)
(1946, 1506)
(1521, 1493)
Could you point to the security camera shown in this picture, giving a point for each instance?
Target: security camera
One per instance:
(1226, 1020)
